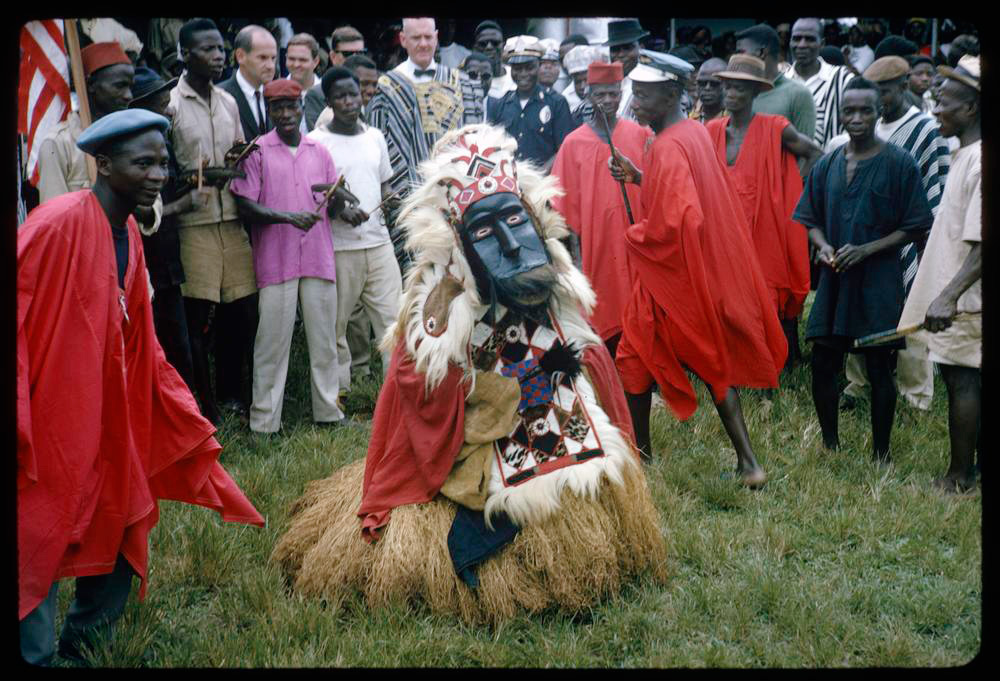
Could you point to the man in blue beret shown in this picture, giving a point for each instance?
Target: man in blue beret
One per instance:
(105, 426)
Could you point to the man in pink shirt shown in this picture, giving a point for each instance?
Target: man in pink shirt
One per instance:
(293, 258)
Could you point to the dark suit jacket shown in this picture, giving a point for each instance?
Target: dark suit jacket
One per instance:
(247, 119)
(313, 105)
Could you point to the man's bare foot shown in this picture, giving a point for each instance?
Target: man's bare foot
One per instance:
(959, 484)
(882, 460)
(753, 478)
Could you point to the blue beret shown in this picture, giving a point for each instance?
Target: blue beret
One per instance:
(119, 124)
(657, 67)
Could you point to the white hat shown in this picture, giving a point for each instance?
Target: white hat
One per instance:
(551, 46)
(522, 48)
(659, 67)
(580, 57)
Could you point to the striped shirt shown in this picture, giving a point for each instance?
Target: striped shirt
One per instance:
(917, 133)
(826, 87)
(412, 117)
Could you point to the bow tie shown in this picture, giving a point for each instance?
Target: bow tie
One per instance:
(423, 72)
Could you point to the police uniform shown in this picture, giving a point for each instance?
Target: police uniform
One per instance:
(544, 121)
(539, 127)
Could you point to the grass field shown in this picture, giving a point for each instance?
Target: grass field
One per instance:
(835, 563)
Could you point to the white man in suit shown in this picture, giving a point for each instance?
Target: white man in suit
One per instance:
(256, 54)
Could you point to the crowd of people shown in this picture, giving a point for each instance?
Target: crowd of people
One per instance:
(708, 186)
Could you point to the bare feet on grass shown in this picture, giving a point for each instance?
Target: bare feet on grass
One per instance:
(753, 478)
(958, 483)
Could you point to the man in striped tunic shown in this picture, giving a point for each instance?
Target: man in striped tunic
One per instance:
(825, 81)
(416, 103)
(905, 126)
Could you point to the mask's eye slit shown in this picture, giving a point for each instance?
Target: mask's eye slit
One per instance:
(482, 233)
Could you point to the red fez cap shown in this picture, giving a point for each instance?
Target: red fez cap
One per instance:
(98, 55)
(282, 88)
(601, 73)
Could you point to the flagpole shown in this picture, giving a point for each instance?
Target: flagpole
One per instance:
(80, 85)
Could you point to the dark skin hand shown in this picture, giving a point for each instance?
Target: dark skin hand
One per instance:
(943, 309)
(622, 168)
(850, 255)
(262, 215)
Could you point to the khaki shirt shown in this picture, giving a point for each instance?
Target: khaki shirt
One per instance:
(958, 226)
(62, 167)
(216, 125)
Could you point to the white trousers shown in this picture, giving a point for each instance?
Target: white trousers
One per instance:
(370, 276)
(318, 299)
(914, 376)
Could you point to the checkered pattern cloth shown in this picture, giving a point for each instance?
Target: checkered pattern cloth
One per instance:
(536, 389)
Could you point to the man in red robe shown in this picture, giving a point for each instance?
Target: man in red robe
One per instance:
(698, 302)
(105, 426)
(593, 204)
(760, 153)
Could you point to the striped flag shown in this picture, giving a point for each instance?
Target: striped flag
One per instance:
(43, 88)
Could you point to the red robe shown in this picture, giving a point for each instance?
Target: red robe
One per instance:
(594, 210)
(768, 182)
(105, 426)
(699, 300)
(416, 436)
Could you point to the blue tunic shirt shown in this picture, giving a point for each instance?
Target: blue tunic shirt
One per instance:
(539, 128)
(885, 195)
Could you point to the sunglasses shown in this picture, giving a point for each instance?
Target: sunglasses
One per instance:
(489, 43)
(479, 76)
(351, 53)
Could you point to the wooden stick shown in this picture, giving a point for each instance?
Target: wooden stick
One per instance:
(895, 334)
(246, 150)
(80, 85)
(621, 183)
(328, 193)
(386, 200)
(201, 162)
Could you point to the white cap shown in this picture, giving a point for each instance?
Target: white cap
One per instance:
(580, 57)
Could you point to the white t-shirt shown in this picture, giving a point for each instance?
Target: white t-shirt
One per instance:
(364, 160)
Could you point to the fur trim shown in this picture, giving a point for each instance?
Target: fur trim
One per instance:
(437, 252)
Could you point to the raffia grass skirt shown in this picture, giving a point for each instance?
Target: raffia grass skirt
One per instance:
(573, 560)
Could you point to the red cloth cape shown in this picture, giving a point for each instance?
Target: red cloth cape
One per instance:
(699, 299)
(416, 436)
(594, 209)
(105, 426)
(769, 184)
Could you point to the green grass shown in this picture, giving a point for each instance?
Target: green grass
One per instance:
(835, 563)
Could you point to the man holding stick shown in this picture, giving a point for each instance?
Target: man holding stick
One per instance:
(594, 204)
(368, 273)
(293, 258)
(697, 301)
(948, 282)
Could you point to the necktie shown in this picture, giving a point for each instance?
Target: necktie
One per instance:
(261, 122)
(423, 72)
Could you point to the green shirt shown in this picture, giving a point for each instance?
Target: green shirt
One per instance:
(791, 100)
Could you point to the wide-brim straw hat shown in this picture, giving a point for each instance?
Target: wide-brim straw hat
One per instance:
(746, 67)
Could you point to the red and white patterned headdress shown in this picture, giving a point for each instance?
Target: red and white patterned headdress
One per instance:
(486, 172)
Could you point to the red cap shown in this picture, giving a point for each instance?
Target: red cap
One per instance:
(282, 88)
(98, 55)
(601, 73)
